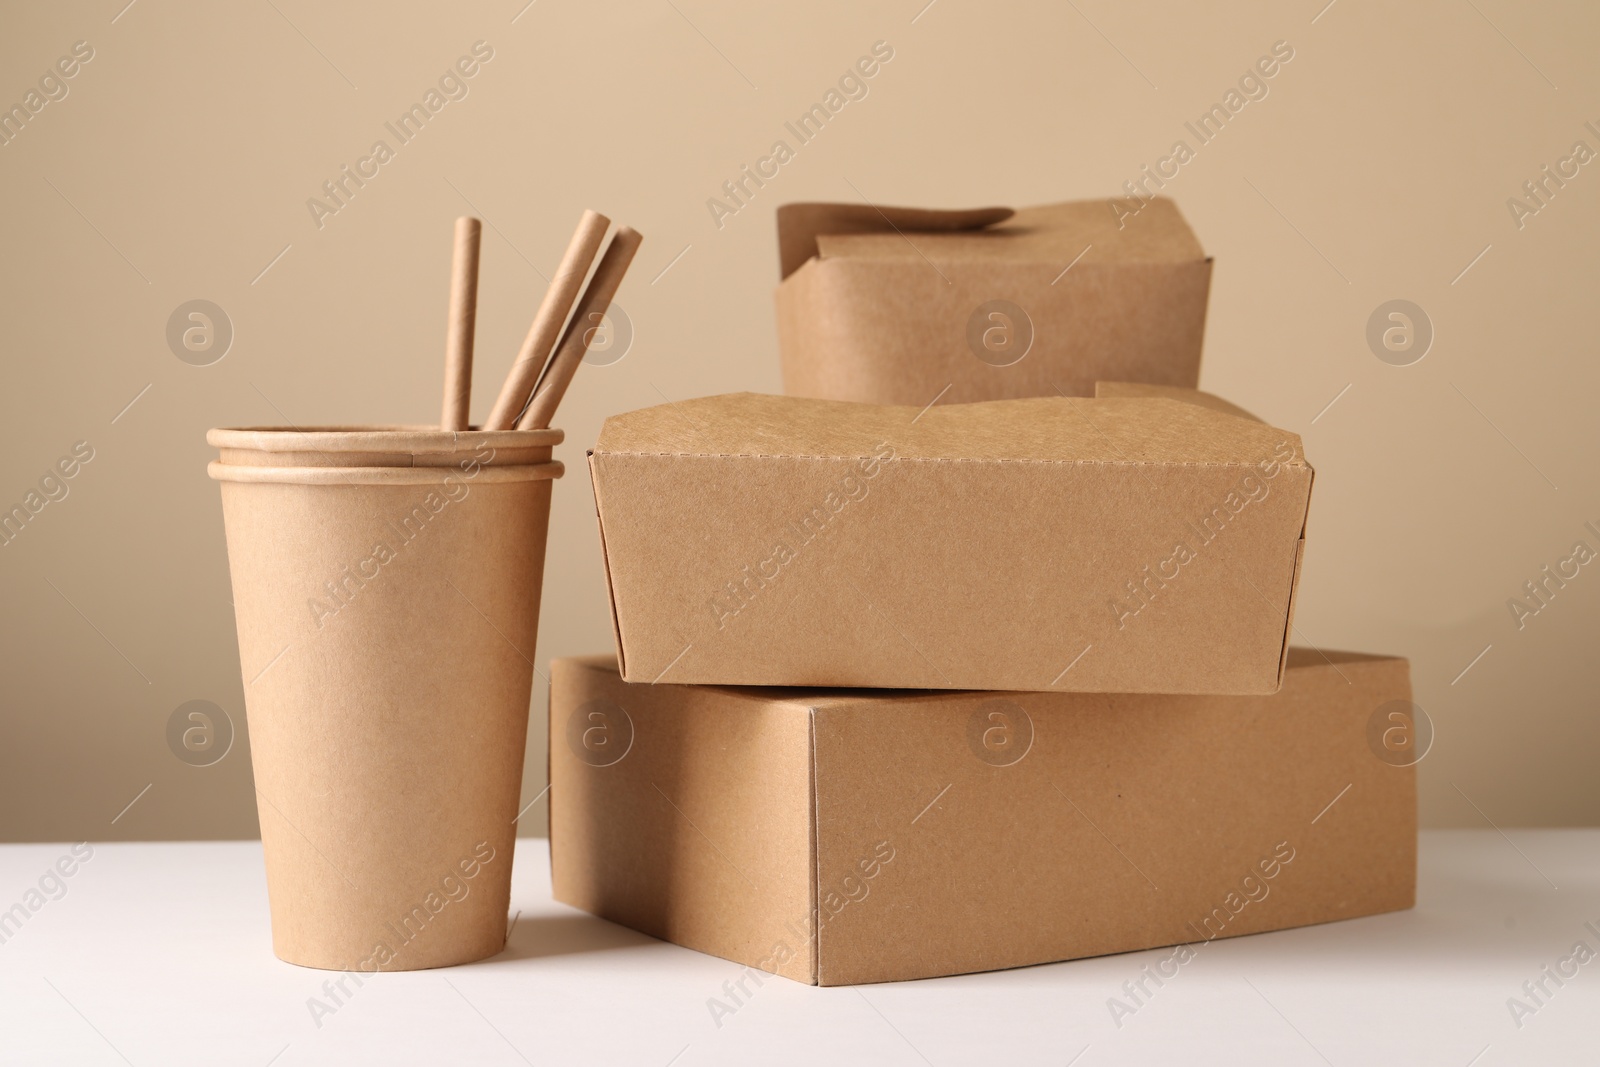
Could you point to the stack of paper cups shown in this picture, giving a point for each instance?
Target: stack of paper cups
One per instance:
(386, 584)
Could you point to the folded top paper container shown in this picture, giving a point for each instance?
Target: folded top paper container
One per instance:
(1145, 541)
(898, 305)
(386, 582)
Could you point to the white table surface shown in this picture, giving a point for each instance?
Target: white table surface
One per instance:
(159, 954)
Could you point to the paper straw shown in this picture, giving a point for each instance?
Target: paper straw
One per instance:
(558, 298)
(459, 331)
(575, 342)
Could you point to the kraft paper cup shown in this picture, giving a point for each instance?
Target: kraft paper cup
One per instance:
(386, 585)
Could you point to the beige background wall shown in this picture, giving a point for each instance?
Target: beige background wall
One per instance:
(1378, 167)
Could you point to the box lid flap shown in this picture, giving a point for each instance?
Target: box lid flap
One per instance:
(800, 225)
(1055, 234)
(1180, 426)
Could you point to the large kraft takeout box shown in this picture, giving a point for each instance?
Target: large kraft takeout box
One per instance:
(1144, 541)
(840, 837)
(897, 305)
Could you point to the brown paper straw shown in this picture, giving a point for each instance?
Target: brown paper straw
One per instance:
(530, 362)
(575, 342)
(459, 331)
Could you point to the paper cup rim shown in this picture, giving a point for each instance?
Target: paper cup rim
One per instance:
(417, 440)
(486, 475)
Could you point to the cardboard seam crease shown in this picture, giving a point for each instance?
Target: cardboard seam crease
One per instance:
(605, 561)
(948, 459)
(815, 888)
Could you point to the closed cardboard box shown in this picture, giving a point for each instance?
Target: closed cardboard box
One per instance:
(852, 836)
(896, 305)
(1147, 540)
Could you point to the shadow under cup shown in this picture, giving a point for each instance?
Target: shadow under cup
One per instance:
(386, 584)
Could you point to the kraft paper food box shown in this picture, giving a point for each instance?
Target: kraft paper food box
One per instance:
(840, 837)
(1145, 540)
(896, 305)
